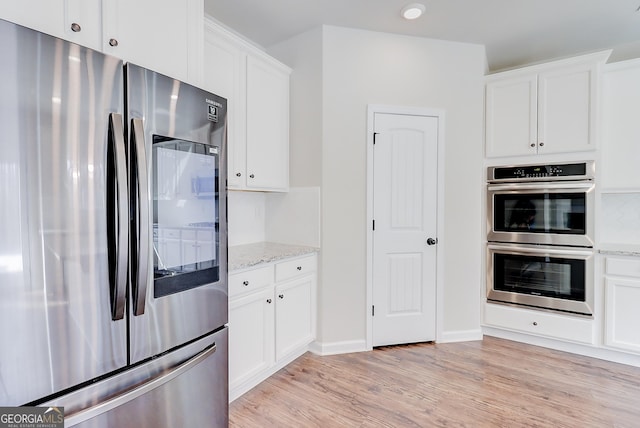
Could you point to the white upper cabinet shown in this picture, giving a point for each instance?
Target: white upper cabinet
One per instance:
(257, 90)
(73, 20)
(162, 35)
(267, 125)
(544, 109)
(620, 149)
(511, 107)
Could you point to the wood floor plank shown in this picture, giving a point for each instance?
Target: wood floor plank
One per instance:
(489, 383)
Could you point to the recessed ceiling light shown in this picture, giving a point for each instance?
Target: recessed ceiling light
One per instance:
(413, 11)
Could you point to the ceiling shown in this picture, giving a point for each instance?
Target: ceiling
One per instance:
(515, 32)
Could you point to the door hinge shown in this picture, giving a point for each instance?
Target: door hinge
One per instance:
(373, 310)
(374, 137)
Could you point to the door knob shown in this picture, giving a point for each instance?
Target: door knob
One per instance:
(431, 241)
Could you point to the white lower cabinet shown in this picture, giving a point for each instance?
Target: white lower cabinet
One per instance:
(272, 319)
(295, 315)
(540, 323)
(251, 337)
(622, 303)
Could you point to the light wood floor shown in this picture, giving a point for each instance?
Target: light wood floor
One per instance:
(489, 383)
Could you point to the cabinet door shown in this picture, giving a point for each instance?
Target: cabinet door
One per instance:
(622, 314)
(224, 75)
(621, 127)
(566, 119)
(77, 21)
(511, 116)
(155, 34)
(295, 315)
(267, 126)
(251, 335)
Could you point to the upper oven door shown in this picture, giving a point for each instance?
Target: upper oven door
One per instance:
(558, 213)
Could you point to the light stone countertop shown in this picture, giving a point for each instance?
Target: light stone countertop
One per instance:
(248, 255)
(619, 249)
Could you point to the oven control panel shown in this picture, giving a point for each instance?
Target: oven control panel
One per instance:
(569, 171)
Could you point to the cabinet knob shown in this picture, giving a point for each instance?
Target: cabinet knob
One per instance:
(281, 296)
(75, 27)
(533, 144)
(252, 176)
(245, 283)
(535, 323)
(113, 42)
(299, 268)
(238, 174)
(541, 144)
(268, 300)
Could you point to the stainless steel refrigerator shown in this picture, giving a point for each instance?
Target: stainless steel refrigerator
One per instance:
(113, 247)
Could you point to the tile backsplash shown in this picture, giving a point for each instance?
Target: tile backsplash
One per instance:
(292, 217)
(619, 220)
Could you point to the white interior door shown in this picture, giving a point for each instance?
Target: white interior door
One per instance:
(405, 214)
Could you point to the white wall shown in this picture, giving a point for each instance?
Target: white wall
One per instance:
(361, 68)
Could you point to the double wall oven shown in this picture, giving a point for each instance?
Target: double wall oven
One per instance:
(540, 233)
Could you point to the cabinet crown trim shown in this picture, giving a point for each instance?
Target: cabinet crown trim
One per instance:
(592, 58)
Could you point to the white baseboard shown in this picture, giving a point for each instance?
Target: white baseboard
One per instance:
(559, 345)
(334, 348)
(460, 336)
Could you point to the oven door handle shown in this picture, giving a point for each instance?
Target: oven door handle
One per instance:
(543, 187)
(541, 250)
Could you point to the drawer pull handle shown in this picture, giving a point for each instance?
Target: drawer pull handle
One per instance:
(238, 174)
(535, 323)
(245, 283)
(268, 300)
(281, 296)
(75, 27)
(299, 268)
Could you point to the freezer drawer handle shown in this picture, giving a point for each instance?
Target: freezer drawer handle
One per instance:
(139, 286)
(124, 398)
(118, 217)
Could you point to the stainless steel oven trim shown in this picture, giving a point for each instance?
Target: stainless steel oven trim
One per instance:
(586, 240)
(578, 307)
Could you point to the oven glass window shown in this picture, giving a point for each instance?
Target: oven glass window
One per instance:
(185, 215)
(558, 277)
(562, 213)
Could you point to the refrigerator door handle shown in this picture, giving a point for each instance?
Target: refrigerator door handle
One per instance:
(118, 218)
(139, 288)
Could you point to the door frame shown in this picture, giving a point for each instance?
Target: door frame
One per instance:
(372, 109)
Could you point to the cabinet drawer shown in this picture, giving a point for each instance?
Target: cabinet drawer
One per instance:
(623, 267)
(189, 234)
(540, 323)
(250, 280)
(169, 233)
(295, 267)
(205, 235)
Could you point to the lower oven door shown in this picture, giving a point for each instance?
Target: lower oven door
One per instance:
(555, 278)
